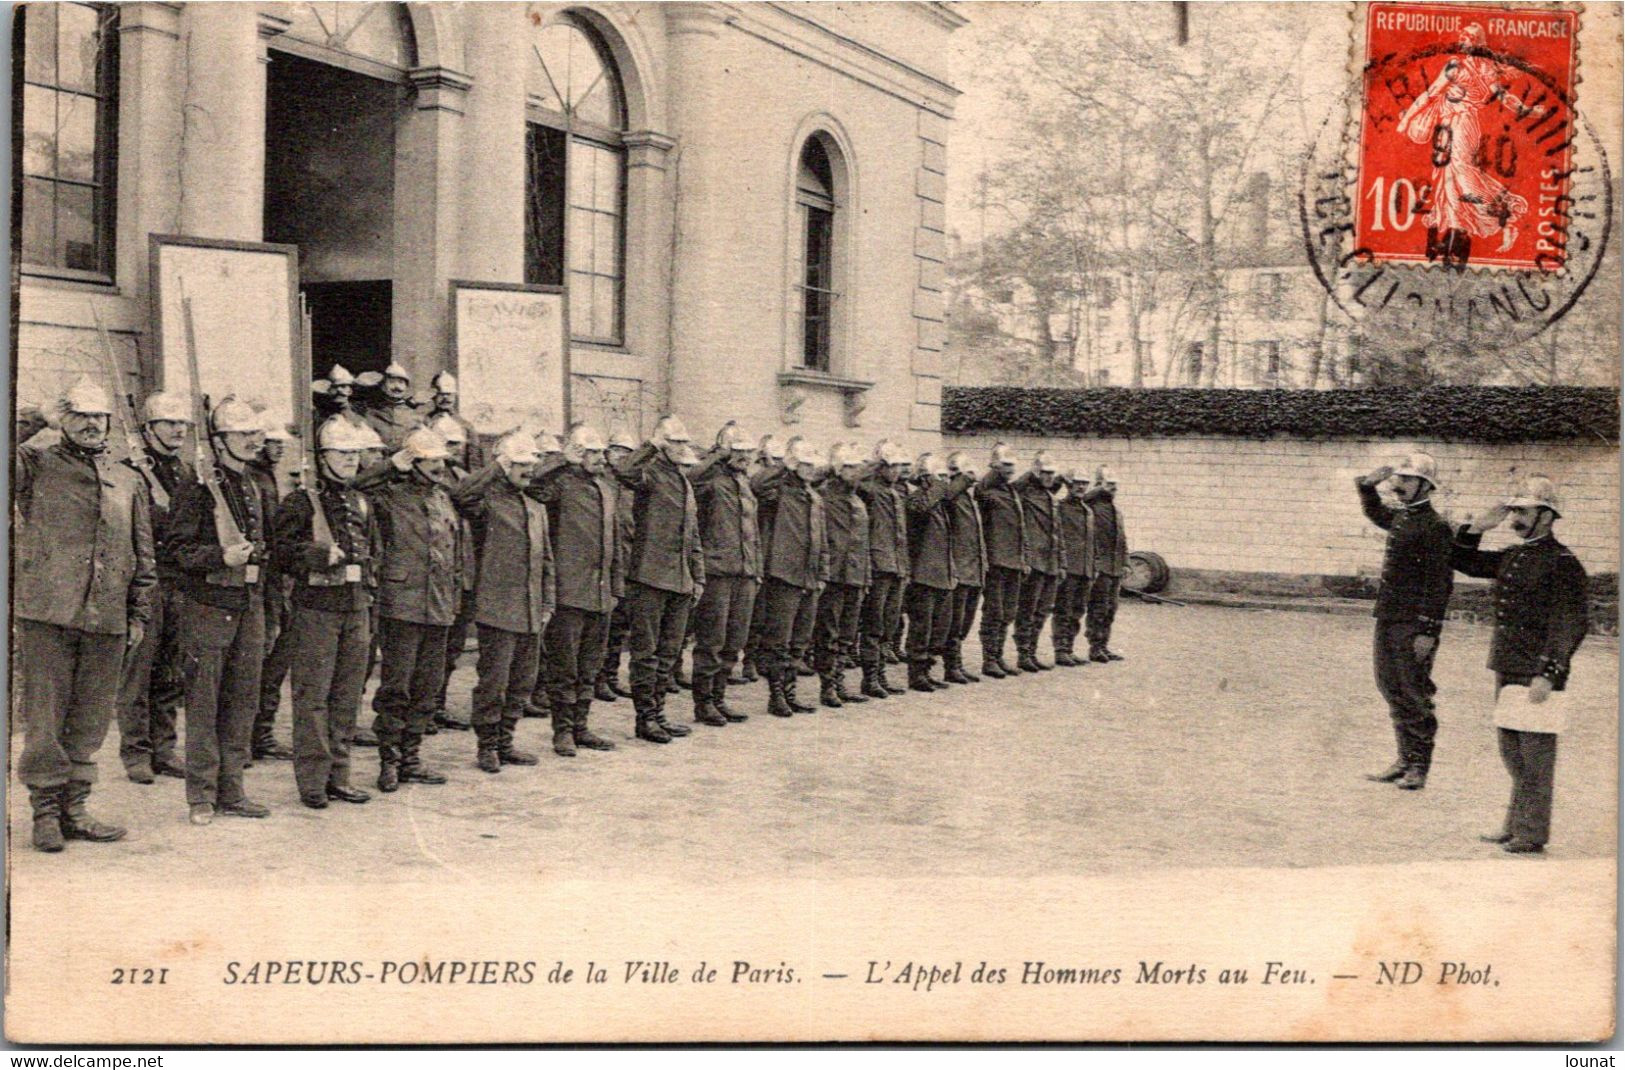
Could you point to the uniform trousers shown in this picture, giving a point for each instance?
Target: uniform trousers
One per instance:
(572, 655)
(657, 619)
(758, 620)
(1001, 602)
(722, 625)
(507, 667)
(962, 612)
(1036, 600)
(788, 618)
(1406, 684)
(882, 610)
(930, 622)
(615, 625)
(1071, 603)
(457, 639)
(412, 664)
(835, 630)
(278, 657)
(222, 651)
(70, 684)
(150, 692)
(329, 671)
(1531, 759)
(1102, 610)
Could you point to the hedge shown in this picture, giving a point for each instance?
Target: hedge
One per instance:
(1451, 413)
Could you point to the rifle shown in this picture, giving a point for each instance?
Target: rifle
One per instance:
(225, 523)
(124, 404)
(303, 409)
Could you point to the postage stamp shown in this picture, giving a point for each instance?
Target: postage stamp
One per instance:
(1466, 134)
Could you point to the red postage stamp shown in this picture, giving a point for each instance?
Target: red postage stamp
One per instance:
(1466, 131)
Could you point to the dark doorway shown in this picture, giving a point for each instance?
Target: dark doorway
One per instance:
(349, 325)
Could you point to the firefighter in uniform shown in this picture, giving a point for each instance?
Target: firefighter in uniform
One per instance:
(222, 562)
(1046, 558)
(372, 450)
(969, 548)
(514, 601)
(443, 408)
(1541, 616)
(328, 541)
(1110, 563)
(795, 565)
(1072, 596)
(609, 688)
(396, 416)
(1411, 602)
(665, 574)
(582, 517)
(887, 505)
(769, 460)
(470, 539)
(74, 625)
(733, 568)
(1004, 526)
(840, 605)
(335, 395)
(929, 602)
(150, 693)
(274, 668)
(419, 577)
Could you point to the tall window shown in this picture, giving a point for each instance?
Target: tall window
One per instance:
(69, 121)
(1267, 363)
(575, 211)
(815, 199)
(1268, 291)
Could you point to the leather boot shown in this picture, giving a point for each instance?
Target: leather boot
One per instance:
(919, 677)
(704, 711)
(827, 693)
(777, 705)
(584, 738)
(719, 699)
(603, 692)
(510, 754)
(790, 676)
(892, 656)
(959, 663)
(843, 694)
(675, 731)
(953, 672)
(683, 680)
(1415, 778)
(485, 753)
(1098, 653)
(389, 763)
(412, 770)
(649, 729)
(747, 671)
(564, 729)
(1027, 657)
(804, 669)
(266, 748)
(1065, 658)
(872, 686)
(47, 804)
(885, 680)
(77, 824)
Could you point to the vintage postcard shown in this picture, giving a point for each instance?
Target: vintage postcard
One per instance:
(623, 522)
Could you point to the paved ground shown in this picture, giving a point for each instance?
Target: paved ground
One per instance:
(1229, 738)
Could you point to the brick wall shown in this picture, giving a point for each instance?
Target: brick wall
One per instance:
(1288, 505)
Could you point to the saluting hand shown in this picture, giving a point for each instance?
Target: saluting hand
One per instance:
(1489, 518)
(1540, 689)
(1375, 476)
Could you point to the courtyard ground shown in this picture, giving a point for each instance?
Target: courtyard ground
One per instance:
(1227, 739)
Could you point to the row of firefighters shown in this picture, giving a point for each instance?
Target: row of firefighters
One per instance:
(148, 583)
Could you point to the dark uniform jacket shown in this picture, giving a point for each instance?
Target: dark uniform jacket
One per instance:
(796, 537)
(728, 529)
(846, 522)
(888, 525)
(84, 552)
(419, 576)
(393, 422)
(516, 586)
(1416, 577)
(931, 560)
(170, 473)
(965, 535)
(1111, 536)
(192, 547)
(477, 458)
(1540, 605)
(470, 535)
(1078, 534)
(625, 522)
(666, 550)
(1004, 523)
(352, 525)
(583, 521)
(1045, 551)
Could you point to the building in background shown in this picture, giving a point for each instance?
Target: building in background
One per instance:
(745, 201)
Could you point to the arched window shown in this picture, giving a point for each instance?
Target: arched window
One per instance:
(370, 38)
(817, 208)
(575, 218)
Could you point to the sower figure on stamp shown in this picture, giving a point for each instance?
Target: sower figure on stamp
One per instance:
(1072, 596)
(1411, 602)
(274, 668)
(883, 494)
(1046, 558)
(583, 522)
(469, 541)
(931, 568)
(328, 541)
(419, 580)
(969, 547)
(514, 602)
(840, 606)
(733, 568)
(75, 507)
(150, 694)
(795, 566)
(1540, 620)
(1004, 526)
(609, 687)
(1110, 564)
(665, 574)
(219, 542)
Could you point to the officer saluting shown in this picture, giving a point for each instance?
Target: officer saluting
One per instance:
(795, 564)
(733, 565)
(1410, 609)
(75, 506)
(1540, 621)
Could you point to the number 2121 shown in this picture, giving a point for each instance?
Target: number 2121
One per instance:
(140, 976)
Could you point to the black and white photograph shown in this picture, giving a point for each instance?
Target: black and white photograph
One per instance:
(721, 523)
